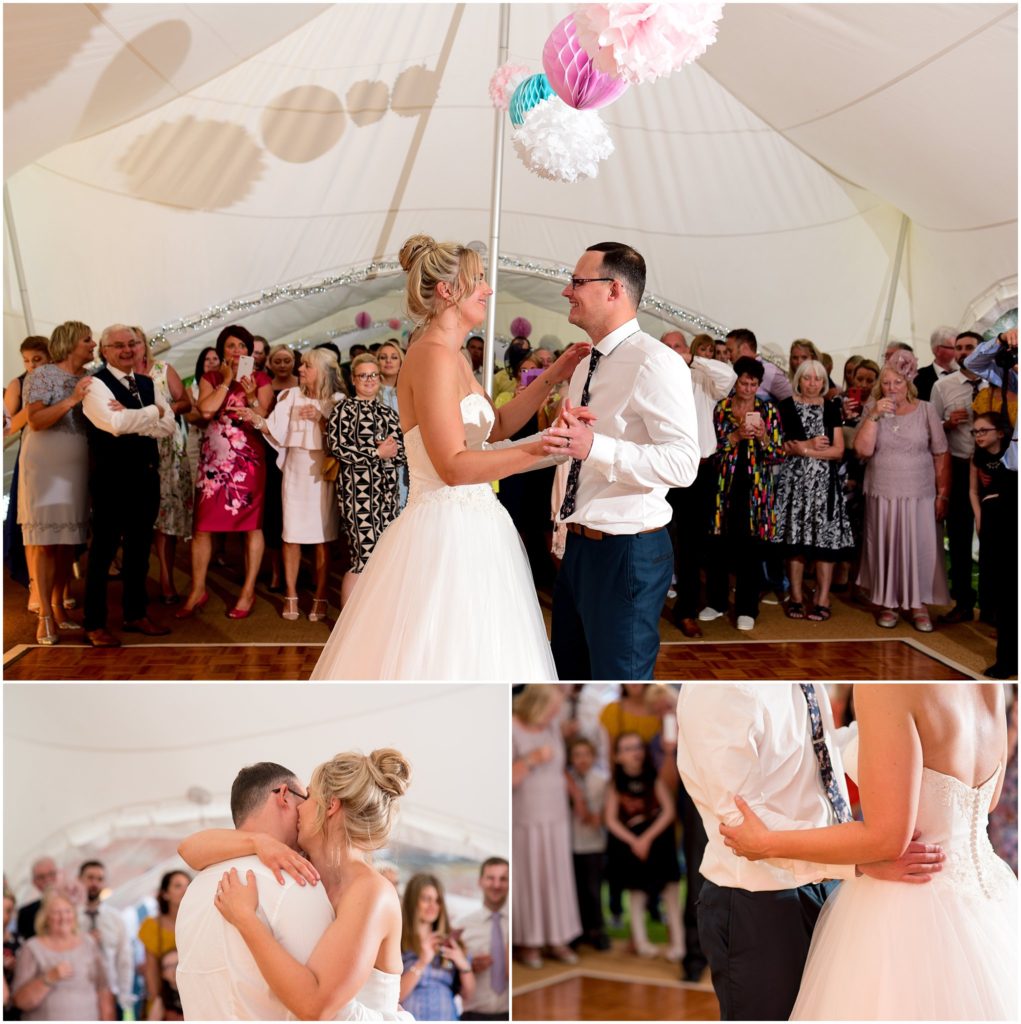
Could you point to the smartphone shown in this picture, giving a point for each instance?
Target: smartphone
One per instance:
(246, 366)
(753, 419)
(527, 376)
(857, 395)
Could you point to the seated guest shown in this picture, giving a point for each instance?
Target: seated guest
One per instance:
(435, 966)
(907, 474)
(811, 517)
(59, 974)
(749, 444)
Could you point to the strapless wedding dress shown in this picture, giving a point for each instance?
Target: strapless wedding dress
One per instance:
(447, 593)
(945, 950)
(377, 999)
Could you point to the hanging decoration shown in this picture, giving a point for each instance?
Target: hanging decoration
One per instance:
(393, 323)
(642, 42)
(560, 143)
(531, 92)
(363, 319)
(521, 327)
(572, 73)
(506, 78)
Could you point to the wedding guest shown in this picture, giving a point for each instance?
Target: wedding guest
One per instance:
(504, 380)
(941, 341)
(35, 351)
(907, 473)
(801, 350)
(232, 474)
(484, 936)
(586, 786)
(641, 848)
(44, 877)
(722, 351)
(295, 429)
(749, 444)
(282, 365)
(170, 997)
(629, 713)
(59, 973)
(157, 936)
(862, 381)
(53, 496)
(475, 352)
(811, 517)
(364, 435)
(260, 351)
(177, 491)
(207, 362)
(545, 910)
(391, 359)
(12, 943)
(98, 918)
(436, 968)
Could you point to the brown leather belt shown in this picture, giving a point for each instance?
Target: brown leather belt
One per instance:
(587, 531)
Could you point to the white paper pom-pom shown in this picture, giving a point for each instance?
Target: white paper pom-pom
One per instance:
(560, 143)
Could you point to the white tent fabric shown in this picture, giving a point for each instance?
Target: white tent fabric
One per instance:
(164, 160)
(95, 767)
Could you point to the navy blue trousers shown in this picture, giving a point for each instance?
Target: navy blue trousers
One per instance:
(606, 605)
(757, 944)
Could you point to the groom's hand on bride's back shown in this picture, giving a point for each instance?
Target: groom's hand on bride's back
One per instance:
(916, 865)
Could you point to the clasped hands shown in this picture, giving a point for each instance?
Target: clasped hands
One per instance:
(571, 434)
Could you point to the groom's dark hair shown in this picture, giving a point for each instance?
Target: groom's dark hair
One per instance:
(252, 786)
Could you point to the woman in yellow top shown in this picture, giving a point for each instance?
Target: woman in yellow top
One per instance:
(630, 714)
(157, 935)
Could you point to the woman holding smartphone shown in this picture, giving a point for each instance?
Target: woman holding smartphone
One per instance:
(749, 443)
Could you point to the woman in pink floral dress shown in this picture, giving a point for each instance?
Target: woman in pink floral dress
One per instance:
(232, 473)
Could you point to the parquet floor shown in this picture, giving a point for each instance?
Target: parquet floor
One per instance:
(584, 997)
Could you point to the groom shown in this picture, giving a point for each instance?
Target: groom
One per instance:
(775, 745)
(217, 976)
(644, 440)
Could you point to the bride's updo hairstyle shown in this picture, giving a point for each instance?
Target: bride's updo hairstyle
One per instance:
(427, 262)
(368, 787)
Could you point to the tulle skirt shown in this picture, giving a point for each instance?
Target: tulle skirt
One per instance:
(895, 951)
(446, 594)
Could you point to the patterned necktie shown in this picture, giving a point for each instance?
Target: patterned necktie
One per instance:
(129, 381)
(498, 972)
(93, 915)
(571, 494)
(822, 755)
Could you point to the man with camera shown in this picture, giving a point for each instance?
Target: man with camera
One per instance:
(996, 361)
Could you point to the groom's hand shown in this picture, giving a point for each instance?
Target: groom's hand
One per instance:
(917, 864)
(572, 437)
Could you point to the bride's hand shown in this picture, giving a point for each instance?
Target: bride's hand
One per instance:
(236, 899)
(750, 839)
(279, 857)
(567, 363)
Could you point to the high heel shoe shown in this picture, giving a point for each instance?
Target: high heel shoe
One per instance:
(185, 612)
(290, 611)
(68, 626)
(241, 613)
(317, 614)
(44, 633)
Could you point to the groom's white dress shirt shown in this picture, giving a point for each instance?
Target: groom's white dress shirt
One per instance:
(646, 433)
(216, 975)
(755, 740)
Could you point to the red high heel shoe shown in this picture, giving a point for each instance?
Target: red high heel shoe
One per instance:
(241, 613)
(184, 612)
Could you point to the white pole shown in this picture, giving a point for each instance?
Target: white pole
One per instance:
(19, 270)
(888, 316)
(494, 210)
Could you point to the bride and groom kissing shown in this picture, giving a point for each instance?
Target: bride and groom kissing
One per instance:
(806, 914)
(263, 933)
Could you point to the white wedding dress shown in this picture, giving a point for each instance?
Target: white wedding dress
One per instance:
(379, 996)
(447, 593)
(944, 950)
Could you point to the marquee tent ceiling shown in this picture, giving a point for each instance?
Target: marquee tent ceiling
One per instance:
(164, 159)
(87, 767)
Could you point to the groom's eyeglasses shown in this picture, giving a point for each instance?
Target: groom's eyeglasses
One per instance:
(281, 789)
(577, 282)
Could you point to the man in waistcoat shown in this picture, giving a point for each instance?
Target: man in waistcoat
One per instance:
(126, 415)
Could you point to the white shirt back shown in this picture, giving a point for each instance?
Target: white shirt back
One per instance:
(217, 976)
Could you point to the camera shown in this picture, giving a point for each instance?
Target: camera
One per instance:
(1006, 357)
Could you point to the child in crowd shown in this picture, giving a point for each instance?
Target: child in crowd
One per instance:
(587, 785)
(642, 847)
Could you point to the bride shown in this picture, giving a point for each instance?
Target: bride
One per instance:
(351, 805)
(931, 757)
(447, 593)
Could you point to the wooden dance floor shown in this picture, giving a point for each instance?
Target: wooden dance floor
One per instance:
(580, 996)
(870, 659)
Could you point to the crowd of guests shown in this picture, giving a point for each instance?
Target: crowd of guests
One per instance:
(807, 486)
(69, 955)
(604, 832)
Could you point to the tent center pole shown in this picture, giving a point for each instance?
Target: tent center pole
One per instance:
(892, 294)
(19, 269)
(494, 210)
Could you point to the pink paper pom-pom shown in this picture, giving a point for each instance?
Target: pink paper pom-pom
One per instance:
(521, 327)
(506, 78)
(393, 323)
(643, 42)
(362, 319)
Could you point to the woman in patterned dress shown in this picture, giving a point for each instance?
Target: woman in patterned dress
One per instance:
(811, 514)
(232, 471)
(749, 444)
(177, 491)
(364, 435)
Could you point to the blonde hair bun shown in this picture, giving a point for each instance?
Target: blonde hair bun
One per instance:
(391, 770)
(414, 248)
